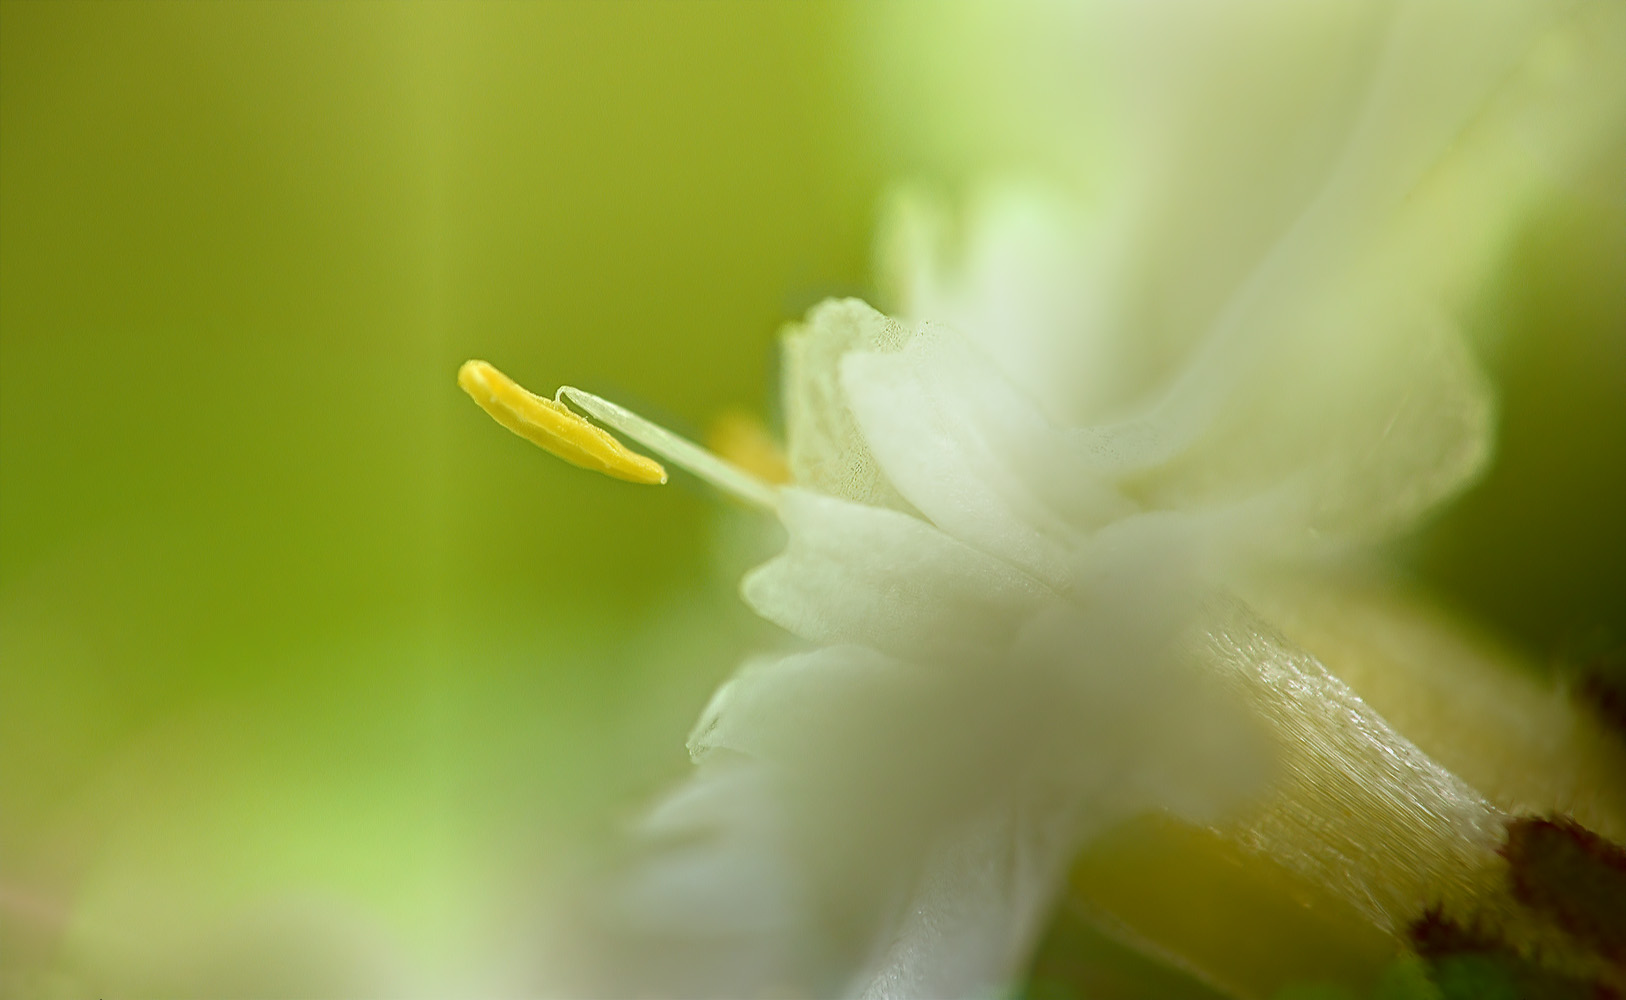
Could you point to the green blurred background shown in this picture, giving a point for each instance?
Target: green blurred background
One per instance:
(284, 614)
(298, 647)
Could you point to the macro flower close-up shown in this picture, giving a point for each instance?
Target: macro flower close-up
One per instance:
(1098, 499)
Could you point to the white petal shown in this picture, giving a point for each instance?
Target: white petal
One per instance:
(801, 708)
(824, 448)
(1359, 430)
(852, 573)
(972, 918)
(1032, 284)
(716, 905)
(966, 449)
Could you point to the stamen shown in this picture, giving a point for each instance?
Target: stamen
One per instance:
(680, 451)
(552, 427)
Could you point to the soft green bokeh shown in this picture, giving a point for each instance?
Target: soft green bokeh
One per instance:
(284, 615)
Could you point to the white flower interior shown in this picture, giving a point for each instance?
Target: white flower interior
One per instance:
(1023, 516)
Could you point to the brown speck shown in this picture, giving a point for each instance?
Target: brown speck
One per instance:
(1573, 877)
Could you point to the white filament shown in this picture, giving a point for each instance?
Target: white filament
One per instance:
(678, 450)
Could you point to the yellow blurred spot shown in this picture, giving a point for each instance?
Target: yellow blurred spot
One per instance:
(741, 438)
(554, 427)
(1251, 925)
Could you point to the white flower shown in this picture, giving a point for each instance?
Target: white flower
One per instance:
(1019, 518)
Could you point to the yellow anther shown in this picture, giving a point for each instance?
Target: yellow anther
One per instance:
(554, 427)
